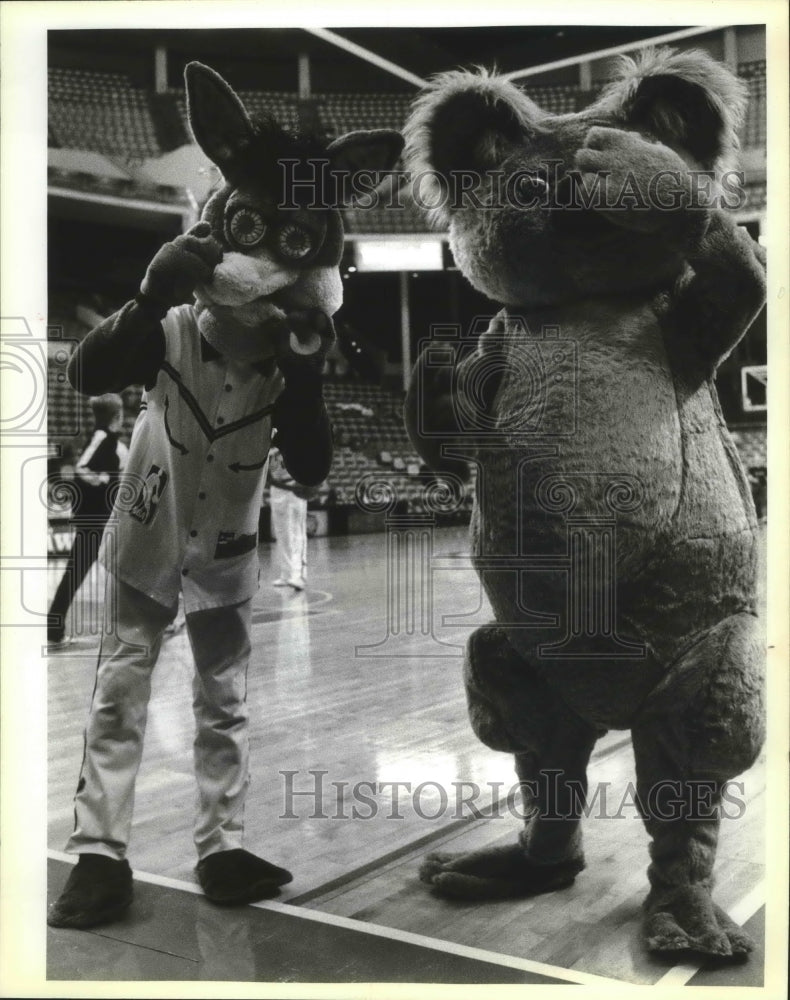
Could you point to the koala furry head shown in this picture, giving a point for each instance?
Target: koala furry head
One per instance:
(497, 169)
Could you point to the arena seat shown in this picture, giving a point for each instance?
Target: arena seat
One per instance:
(753, 132)
(340, 113)
(102, 112)
(105, 113)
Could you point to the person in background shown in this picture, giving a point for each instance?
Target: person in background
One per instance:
(288, 500)
(96, 473)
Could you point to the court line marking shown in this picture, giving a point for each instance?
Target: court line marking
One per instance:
(453, 829)
(298, 611)
(743, 910)
(567, 976)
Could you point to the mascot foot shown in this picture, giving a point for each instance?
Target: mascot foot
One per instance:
(235, 877)
(689, 921)
(98, 891)
(496, 873)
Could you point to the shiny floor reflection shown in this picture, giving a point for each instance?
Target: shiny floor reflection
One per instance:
(175, 935)
(361, 763)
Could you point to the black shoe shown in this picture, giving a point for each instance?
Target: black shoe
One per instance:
(98, 890)
(234, 877)
(56, 637)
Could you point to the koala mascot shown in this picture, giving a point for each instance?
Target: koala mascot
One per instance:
(608, 242)
(228, 333)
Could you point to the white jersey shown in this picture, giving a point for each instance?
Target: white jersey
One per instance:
(186, 517)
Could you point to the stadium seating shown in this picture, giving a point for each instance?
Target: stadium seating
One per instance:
(340, 113)
(284, 107)
(370, 438)
(69, 417)
(366, 419)
(753, 132)
(751, 444)
(103, 112)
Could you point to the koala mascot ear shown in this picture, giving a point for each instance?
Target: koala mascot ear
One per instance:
(219, 121)
(464, 121)
(686, 99)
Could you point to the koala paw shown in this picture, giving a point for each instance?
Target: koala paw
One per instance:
(495, 873)
(690, 922)
(635, 183)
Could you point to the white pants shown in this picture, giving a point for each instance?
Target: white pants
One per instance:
(220, 640)
(289, 525)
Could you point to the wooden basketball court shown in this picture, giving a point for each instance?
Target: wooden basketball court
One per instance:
(363, 760)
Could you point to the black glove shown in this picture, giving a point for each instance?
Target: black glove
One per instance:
(181, 265)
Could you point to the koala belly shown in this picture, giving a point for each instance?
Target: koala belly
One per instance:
(622, 527)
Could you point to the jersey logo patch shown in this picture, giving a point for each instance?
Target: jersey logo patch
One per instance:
(146, 504)
(229, 544)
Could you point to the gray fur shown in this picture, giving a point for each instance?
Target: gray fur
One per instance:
(652, 298)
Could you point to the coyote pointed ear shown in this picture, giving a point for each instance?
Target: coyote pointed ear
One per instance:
(375, 151)
(686, 99)
(219, 121)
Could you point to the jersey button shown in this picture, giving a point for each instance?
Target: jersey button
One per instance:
(209, 458)
(201, 495)
(184, 572)
(193, 533)
(220, 420)
(228, 387)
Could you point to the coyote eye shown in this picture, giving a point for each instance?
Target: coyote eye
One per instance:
(246, 227)
(294, 242)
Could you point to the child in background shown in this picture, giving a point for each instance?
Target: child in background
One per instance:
(96, 474)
